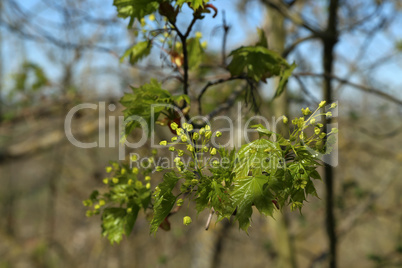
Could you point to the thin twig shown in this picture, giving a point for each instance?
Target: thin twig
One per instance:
(209, 84)
(209, 219)
(358, 86)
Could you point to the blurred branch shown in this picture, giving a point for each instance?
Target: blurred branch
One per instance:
(355, 85)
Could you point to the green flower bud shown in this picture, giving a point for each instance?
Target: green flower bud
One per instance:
(322, 104)
(102, 202)
(108, 169)
(213, 151)
(174, 126)
(180, 152)
(306, 111)
(334, 130)
(174, 139)
(130, 181)
(312, 121)
(159, 168)
(208, 134)
(138, 184)
(105, 180)
(187, 220)
(322, 135)
(333, 105)
(135, 170)
(202, 131)
(196, 136)
(115, 180)
(148, 186)
(129, 210)
(317, 130)
(147, 178)
(218, 134)
(183, 138)
(190, 148)
(163, 143)
(328, 114)
(179, 202)
(285, 120)
(171, 148)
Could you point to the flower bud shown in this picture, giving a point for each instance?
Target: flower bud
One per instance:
(213, 151)
(285, 120)
(187, 220)
(322, 104)
(163, 143)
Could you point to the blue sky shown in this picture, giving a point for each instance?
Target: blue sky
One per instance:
(15, 51)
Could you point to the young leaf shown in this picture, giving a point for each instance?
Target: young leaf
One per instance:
(164, 200)
(135, 8)
(258, 62)
(137, 52)
(249, 191)
(284, 76)
(195, 52)
(256, 157)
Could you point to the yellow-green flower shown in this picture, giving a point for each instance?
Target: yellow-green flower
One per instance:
(152, 17)
(306, 111)
(106, 180)
(147, 178)
(163, 143)
(129, 210)
(174, 139)
(322, 135)
(115, 180)
(317, 130)
(328, 114)
(204, 44)
(179, 131)
(97, 206)
(207, 127)
(183, 138)
(102, 202)
(179, 202)
(108, 169)
(322, 104)
(174, 126)
(208, 134)
(213, 151)
(171, 148)
(187, 220)
(148, 186)
(180, 152)
(123, 171)
(312, 121)
(133, 157)
(130, 181)
(138, 184)
(190, 148)
(285, 120)
(135, 170)
(333, 105)
(159, 168)
(196, 136)
(218, 134)
(198, 35)
(202, 131)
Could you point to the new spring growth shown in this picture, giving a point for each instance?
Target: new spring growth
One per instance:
(179, 202)
(306, 111)
(163, 143)
(322, 104)
(285, 120)
(174, 126)
(213, 151)
(187, 220)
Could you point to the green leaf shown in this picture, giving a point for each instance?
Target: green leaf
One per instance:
(113, 224)
(164, 201)
(135, 9)
(284, 77)
(258, 62)
(249, 191)
(195, 4)
(131, 218)
(262, 39)
(195, 53)
(145, 102)
(259, 156)
(137, 52)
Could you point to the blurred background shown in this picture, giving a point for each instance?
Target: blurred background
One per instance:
(57, 54)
